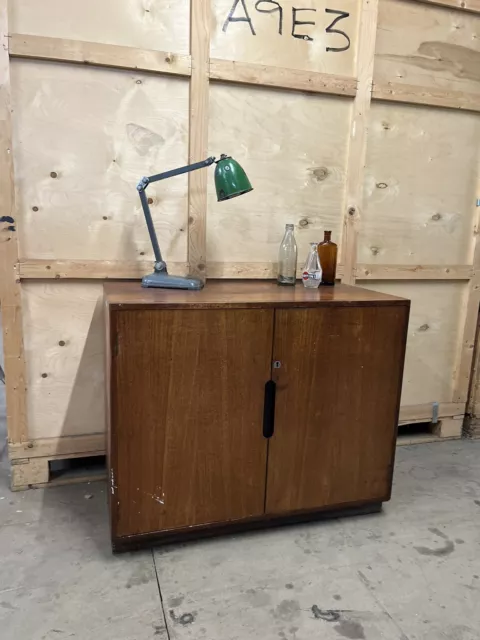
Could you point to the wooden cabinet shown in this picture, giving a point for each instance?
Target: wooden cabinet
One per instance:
(246, 404)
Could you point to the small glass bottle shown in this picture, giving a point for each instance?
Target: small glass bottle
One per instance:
(287, 258)
(312, 271)
(327, 252)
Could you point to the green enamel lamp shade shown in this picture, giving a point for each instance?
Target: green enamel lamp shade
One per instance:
(230, 179)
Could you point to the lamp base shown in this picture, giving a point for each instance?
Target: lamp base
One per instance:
(162, 280)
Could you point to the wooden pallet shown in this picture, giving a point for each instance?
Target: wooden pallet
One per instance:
(36, 473)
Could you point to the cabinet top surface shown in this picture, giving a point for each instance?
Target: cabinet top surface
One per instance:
(241, 293)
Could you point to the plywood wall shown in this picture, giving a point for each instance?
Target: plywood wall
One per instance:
(159, 85)
(267, 46)
(144, 24)
(295, 148)
(427, 46)
(82, 140)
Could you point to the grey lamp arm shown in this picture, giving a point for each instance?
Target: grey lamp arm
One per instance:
(160, 265)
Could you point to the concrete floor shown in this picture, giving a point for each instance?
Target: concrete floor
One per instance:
(411, 573)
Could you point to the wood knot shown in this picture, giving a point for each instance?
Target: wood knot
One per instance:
(351, 211)
(201, 266)
(44, 375)
(142, 253)
(386, 126)
(303, 222)
(48, 267)
(34, 208)
(382, 185)
(62, 343)
(320, 173)
(105, 217)
(169, 59)
(424, 327)
(150, 200)
(437, 216)
(53, 174)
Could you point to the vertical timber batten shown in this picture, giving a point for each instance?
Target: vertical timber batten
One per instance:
(10, 291)
(198, 135)
(358, 137)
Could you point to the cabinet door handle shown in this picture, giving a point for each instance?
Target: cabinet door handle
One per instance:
(269, 409)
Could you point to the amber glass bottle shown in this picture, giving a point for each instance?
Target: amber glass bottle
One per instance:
(327, 252)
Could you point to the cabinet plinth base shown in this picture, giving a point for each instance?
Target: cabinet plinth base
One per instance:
(129, 543)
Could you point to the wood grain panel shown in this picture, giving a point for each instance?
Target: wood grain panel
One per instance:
(228, 294)
(77, 176)
(428, 46)
(420, 186)
(188, 446)
(236, 41)
(146, 24)
(338, 393)
(294, 149)
(64, 347)
(433, 335)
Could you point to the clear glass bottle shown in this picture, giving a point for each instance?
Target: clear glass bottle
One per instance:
(312, 271)
(287, 258)
(327, 252)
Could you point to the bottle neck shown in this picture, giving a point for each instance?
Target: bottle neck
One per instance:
(328, 236)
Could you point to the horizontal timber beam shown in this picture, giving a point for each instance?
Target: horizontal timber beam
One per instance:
(66, 446)
(424, 412)
(247, 270)
(470, 6)
(90, 269)
(413, 272)
(97, 54)
(105, 269)
(125, 270)
(428, 96)
(282, 78)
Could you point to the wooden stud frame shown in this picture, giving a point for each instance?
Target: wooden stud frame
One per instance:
(202, 70)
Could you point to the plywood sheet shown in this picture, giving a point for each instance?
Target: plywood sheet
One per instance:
(161, 25)
(83, 138)
(236, 41)
(64, 346)
(429, 46)
(433, 336)
(420, 186)
(293, 147)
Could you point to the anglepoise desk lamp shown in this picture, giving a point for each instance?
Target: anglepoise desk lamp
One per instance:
(230, 181)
